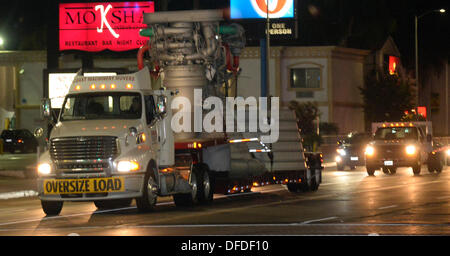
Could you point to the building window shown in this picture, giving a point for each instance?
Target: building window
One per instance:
(305, 78)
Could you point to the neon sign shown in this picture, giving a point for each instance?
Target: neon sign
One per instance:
(96, 27)
(257, 9)
(393, 65)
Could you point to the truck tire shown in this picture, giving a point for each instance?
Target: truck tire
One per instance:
(205, 185)
(111, 204)
(435, 166)
(393, 170)
(293, 187)
(417, 169)
(147, 202)
(370, 171)
(51, 208)
(190, 199)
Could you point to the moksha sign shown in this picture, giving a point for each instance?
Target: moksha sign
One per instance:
(102, 26)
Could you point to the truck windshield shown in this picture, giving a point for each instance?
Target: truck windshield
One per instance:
(397, 133)
(93, 106)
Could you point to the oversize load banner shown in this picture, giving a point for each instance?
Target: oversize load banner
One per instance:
(96, 27)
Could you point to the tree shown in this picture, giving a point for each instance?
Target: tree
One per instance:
(307, 114)
(386, 98)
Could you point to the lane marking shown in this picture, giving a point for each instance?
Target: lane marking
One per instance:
(241, 208)
(319, 220)
(387, 207)
(18, 194)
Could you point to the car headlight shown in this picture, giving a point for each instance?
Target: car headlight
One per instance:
(44, 169)
(342, 152)
(410, 150)
(369, 151)
(127, 166)
(338, 159)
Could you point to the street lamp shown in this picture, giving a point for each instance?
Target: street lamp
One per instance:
(416, 23)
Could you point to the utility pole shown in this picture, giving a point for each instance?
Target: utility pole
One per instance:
(267, 88)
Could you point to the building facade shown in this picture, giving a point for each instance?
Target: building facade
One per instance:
(330, 76)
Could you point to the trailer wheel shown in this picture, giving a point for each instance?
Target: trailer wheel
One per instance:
(205, 185)
(51, 208)
(190, 199)
(147, 202)
(293, 187)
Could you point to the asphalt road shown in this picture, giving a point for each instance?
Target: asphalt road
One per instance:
(347, 203)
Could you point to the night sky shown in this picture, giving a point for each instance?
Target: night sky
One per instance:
(352, 23)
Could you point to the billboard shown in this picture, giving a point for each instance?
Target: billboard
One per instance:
(257, 9)
(102, 26)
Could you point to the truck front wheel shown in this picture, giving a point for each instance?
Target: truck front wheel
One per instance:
(147, 202)
(51, 208)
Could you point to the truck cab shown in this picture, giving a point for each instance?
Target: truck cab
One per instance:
(105, 140)
(401, 145)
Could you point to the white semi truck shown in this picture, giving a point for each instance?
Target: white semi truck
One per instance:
(113, 140)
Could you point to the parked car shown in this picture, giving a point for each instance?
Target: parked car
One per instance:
(350, 151)
(19, 140)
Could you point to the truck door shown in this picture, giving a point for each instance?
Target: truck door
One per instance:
(151, 119)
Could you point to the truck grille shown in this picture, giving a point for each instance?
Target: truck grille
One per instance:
(83, 148)
(390, 151)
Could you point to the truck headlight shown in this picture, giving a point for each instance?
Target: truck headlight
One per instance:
(369, 151)
(448, 152)
(44, 169)
(410, 150)
(338, 159)
(127, 166)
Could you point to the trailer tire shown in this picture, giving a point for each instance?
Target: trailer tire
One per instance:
(52, 208)
(205, 185)
(147, 202)
(293, 187)
(190, 199)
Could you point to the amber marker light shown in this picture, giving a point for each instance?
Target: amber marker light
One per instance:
(113, 86)
(78, 87)
(129, 86)
(92, 86)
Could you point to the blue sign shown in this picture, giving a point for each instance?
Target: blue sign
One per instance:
(257, 9)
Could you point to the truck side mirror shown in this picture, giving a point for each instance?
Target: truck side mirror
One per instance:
(46, 109)
(38, 132)
(161, 105)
